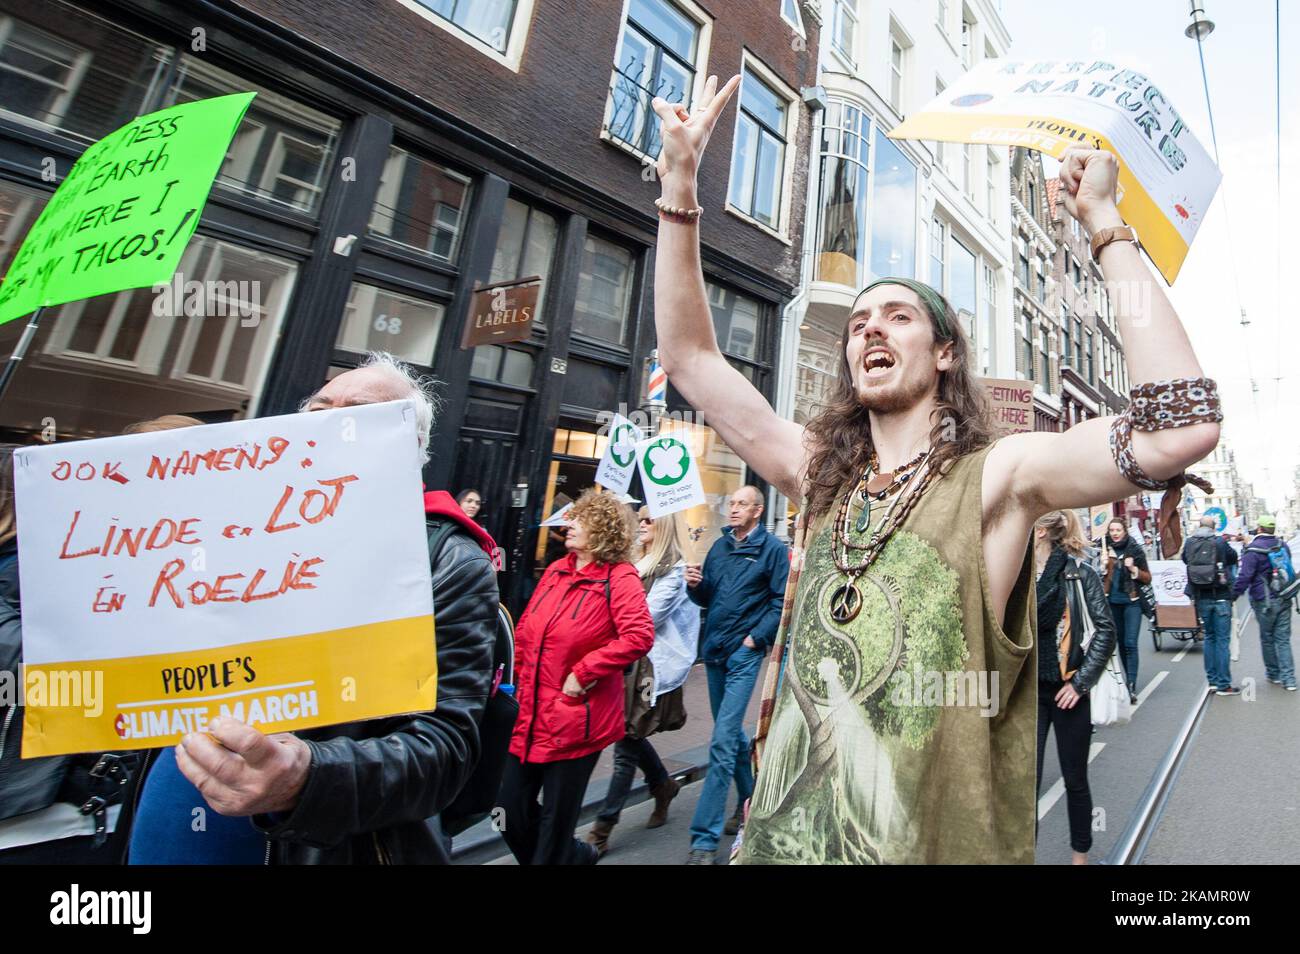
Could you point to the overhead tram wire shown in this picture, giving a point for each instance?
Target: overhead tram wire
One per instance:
(1199, 28)
(1277, 240)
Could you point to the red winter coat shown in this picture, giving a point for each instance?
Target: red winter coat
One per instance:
(592, 623)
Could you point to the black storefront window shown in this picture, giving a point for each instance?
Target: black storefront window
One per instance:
(201, 347)
(525, 247)
(604, 291)
(735, 321)
(420, 206)
(506, 365)
(74, 73)
(282, 150)
(376, 319)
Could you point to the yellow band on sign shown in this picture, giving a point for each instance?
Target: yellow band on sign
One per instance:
(277, 685)
(1161, 240)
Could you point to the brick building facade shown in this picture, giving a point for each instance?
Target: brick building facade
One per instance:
(401, 152)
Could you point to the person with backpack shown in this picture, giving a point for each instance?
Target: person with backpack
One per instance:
(587, 621)
(367, 792)
(1210, 560)
(1268, 572)
(1071, 603)
(1126, 571)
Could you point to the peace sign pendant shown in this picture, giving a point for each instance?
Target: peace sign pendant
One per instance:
(846, 601)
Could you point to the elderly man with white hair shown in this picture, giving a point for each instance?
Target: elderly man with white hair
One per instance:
(365, 792)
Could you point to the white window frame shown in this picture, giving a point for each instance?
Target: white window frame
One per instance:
(900, 40)
(944, 229)
(760, 69)
(260, 358)
(271, 175)
(991, 191)
(940, 153)
(76, 74)
(797, 23)
(705, 22)
(838, 9)
(513, 55)
(968, 28)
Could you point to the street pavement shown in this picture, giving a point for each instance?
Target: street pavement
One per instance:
(682, 750)
(1235, 801)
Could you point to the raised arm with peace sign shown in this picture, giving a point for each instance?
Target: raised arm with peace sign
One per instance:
(688, 348)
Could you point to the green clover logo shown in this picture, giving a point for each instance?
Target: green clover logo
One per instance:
(622, 448)
(666, 461)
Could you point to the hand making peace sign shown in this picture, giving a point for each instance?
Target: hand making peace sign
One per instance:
(685, 134)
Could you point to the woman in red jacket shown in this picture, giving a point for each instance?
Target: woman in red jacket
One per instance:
(587, 621)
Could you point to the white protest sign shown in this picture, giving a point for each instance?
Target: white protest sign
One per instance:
(274, 570)
(618, 463)
(669, 475)
(1166, 178)
(1169, 580)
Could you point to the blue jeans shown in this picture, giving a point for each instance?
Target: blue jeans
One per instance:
(1274, 618)
(1216, 620)
(730, 686)
(1128, 624)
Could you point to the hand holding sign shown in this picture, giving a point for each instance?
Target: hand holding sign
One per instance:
(239, 771)
(1089, 178)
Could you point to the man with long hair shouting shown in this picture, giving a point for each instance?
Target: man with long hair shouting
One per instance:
(904, 727)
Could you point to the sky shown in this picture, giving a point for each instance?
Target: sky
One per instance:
(1233, 262)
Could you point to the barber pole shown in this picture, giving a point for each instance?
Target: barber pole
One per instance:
(657, 384)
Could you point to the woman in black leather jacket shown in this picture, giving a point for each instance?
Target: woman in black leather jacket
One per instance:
(1066, 671)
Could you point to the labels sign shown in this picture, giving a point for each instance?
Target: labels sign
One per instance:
(127, 209)
(501, 313)
(274, 570)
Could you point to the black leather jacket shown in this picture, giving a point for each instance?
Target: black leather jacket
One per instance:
(373, 787)
(1089, 665)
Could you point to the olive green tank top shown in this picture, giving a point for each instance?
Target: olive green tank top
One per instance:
(906, 735)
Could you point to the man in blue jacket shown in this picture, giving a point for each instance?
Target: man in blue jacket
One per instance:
(1272, 614)
(741, 586)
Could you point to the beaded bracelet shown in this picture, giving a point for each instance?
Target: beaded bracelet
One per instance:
(1158, 406)
(681, 216)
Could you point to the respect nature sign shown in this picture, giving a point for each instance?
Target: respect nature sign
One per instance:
(127, 209)
(1166, 178)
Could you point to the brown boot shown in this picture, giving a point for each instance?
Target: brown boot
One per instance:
(663, 795)
(598, 837)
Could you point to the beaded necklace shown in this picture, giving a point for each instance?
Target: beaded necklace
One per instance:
(846, 601)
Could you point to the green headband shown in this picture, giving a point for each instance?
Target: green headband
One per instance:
(932, 300)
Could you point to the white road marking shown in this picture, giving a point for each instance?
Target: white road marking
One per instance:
(1150, 688)
(1183, 652)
